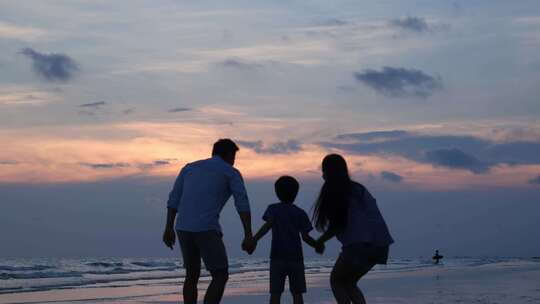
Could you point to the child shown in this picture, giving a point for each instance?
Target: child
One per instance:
(287, 222)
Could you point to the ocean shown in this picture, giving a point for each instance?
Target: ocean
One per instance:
(19, 275)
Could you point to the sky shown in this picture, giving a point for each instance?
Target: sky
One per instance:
(434, 104)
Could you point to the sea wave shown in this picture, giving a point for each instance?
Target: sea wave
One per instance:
(39, 275)
(128, 271)
(151, 264)
(48, 274)
(26, 268)
(105, 264)
(73, 274)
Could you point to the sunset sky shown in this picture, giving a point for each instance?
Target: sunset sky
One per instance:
(439, 98)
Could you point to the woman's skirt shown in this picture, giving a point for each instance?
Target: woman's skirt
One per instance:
(361, 254)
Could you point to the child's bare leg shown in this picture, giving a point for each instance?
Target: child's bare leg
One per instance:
(297, 298)
(275, 298)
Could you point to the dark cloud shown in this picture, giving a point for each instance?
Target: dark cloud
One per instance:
(181, 109)
(415, 24)
(236, 63)
(8, 162)
(290, 146)
(391, 177)
(156, 163)
(52, 67)
(93, 104)
(400, 82)
(535, 181)
(143, 166)
(470, 153)
(105, 165)
(456, 159)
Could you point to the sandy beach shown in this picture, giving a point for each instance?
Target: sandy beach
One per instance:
(512, 281)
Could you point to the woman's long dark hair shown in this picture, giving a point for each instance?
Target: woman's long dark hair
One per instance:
(331, 207)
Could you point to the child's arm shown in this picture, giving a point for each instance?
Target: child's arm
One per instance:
(319, 247)
(250, 244)
(309, 240)
(319, 243)
(263, 231)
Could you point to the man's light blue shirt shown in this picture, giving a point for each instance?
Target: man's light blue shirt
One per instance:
(200, 192)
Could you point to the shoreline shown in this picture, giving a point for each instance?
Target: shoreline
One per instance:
(489, 283)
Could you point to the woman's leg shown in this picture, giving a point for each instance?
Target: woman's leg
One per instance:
(344, 279)
(356, 295)
(338, 281)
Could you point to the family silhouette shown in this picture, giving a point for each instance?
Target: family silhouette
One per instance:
(344, 209)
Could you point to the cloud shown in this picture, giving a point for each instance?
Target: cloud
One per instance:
(156, 163)
(236, 63)
(391, 177)
(128, 111)
(8, 162)
(20, 94)
(463, 152)
(400, 82)
(93, 104)
(456, 159)
(52, 67)
(414, 24)
(376, 135)
(105, 165)
(22, 98)
(290, 146)
(14, 31)
(181, 109)
(535, 181)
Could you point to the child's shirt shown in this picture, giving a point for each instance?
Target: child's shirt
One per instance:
(288, 222)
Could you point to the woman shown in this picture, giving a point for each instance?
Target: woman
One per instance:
(345, 209)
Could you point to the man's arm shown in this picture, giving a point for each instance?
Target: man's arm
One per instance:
(248, 244)
(241, 202)
(245, 217)
(169, 236)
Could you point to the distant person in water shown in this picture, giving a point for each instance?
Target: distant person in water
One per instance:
(437, 257)
(288, 223)
(345, 209)
(198, 196)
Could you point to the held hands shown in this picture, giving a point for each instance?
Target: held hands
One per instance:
(249, 244)
(319, 247)
(169, 237)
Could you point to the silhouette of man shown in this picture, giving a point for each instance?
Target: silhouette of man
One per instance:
(437, 257)
(199, 194)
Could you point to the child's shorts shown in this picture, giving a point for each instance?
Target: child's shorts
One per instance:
(294, 270)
